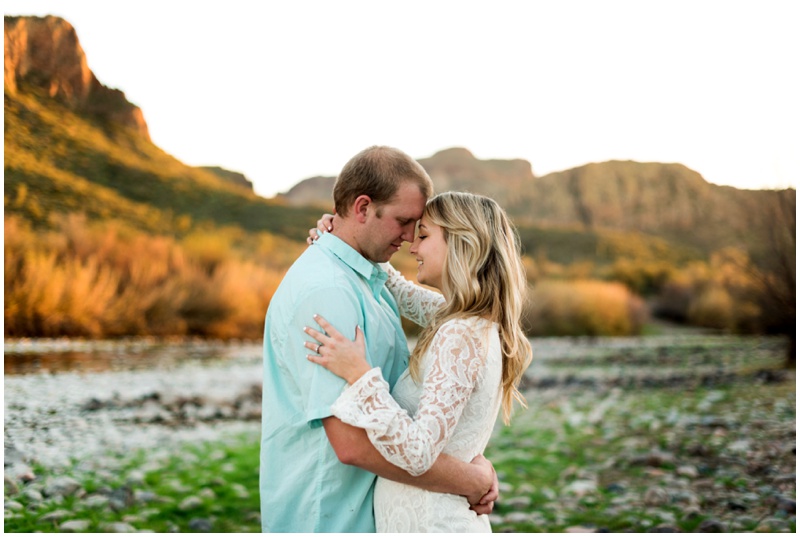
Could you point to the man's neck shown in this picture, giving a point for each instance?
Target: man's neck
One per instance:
(344, 230)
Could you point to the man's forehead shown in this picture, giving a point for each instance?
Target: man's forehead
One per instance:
(409, 212)
(407, 204)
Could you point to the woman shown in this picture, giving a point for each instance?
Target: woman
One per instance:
(467, 363)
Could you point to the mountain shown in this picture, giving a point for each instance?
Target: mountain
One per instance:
(45, 53)
(236, 178)
(73, 145)
(316, 191)
(450, 169)
(665, 200)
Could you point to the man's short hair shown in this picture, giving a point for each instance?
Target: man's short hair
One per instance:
(377, 172)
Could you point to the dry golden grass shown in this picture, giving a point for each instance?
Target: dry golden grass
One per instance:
(98, 281)
(83, 279)
(724, 293)
(583, 307)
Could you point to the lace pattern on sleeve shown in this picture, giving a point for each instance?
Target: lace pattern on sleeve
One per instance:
(413, 444)
(415, 302)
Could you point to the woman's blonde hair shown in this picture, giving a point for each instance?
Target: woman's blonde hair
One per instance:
(482, 276)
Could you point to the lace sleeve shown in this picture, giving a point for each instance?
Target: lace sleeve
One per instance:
(414, 443)
(415, 302)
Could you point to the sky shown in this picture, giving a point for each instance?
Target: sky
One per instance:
(286, 90)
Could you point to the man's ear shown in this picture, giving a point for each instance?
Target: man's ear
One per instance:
(361, 208)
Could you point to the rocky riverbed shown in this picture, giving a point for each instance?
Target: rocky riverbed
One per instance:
(64, 428)
(648, 431)
(57, 419)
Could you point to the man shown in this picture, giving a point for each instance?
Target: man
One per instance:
(318, 473)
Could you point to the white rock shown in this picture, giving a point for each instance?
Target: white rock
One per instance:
(96, 501)
(61, 486)
(74, 526)
(10, 505)
(55, 516)
(517, 518)
(189, 503)
(118, 527)
(687, 470)
(518, 502)
(581, 488)
(207, 493)
(32, 494)
(656, 496)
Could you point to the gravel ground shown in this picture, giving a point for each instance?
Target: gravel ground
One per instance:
(159, 397)
(190, 391)
(54, 419)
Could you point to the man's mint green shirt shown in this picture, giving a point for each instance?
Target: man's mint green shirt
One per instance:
(303, 486)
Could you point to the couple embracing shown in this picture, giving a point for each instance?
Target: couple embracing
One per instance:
(343, 402)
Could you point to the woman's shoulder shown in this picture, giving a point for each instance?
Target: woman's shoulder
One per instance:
(467, 322)
(474, 337)
(471, 327)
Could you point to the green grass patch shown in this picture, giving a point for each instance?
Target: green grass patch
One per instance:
(604, 458)
(215, 482)
(625, 461)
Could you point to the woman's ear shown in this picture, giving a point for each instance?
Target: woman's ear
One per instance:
(361, 208)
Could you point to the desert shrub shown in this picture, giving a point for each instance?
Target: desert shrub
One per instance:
(723, 293)
(678, 291)
(532, 271)
(583, 307)
(244, 289)
(580, 270)
(273, 251)
(210, 249)
(644, 276)
(98, 281)
(713, 308)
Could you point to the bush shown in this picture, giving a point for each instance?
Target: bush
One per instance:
(98, 281)
(713, 308)
(723, 293)
(645, 277)
(583, 307)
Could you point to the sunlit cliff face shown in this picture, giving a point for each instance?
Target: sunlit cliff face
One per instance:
(44, 52)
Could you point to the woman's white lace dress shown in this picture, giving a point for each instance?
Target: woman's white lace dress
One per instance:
(454, 411)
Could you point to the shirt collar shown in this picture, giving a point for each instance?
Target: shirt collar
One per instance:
(368, 270)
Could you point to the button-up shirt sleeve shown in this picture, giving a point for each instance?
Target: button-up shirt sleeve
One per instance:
(318, 386)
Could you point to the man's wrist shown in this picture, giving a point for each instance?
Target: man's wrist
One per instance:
(478, 482)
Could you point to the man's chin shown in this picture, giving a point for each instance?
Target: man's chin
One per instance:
(381, 258)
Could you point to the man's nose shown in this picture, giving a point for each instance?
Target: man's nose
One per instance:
(408, 233)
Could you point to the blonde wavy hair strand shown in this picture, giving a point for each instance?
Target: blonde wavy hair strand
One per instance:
(483, 276)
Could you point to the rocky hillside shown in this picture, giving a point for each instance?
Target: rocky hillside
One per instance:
(44, 53)
(668, 200)
(232, 177)
(451, 169)
(73, 145)
(317, 191)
